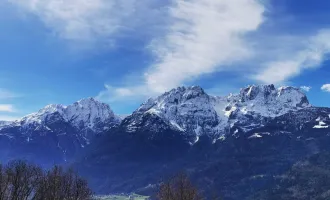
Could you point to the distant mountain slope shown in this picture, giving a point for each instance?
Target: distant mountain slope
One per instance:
(55, 133)
(307, 179)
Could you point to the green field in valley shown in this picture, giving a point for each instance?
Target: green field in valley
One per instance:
(121, 197)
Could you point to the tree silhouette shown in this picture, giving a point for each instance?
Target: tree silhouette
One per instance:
(178, 188)
(20, 180)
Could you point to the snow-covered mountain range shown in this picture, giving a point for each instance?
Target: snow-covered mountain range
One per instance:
(228, 140)
(193, 111)
(186, 109)
(190, 111)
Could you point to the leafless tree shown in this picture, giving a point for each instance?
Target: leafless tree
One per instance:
(59, 184)
(178, 188)
(22, 181)
(4, 183)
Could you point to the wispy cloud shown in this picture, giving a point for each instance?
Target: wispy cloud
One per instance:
(306, 88)
(203, 36)
(6, 108)
(313, 53)
(80, 19)
(326, 87)
(6, 94)
(113, 94)
(200, 37)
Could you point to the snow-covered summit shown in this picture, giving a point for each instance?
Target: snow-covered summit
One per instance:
(85, 113)
(40, 116)
(268, 101)
(184, 108)
(177, 96)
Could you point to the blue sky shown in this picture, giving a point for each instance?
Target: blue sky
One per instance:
(123, 52)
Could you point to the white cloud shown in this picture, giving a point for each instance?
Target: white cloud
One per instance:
(204, 36)
(311, 56)
(112, 94)
(326, 87)
(6, 108)
(306, 88)
(80, 19)
(5, 94)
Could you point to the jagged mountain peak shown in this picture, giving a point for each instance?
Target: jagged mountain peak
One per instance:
(88, 110)
(184, 91)
(175, 108)
(88, 101)
(252, 91)
(268, 91)
(276, 100)
(186, 88)
(175, 96)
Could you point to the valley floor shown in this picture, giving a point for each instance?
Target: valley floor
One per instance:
(121, 197)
